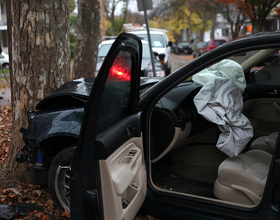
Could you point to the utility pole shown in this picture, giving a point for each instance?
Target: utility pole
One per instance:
(102, 9)
(144, 5)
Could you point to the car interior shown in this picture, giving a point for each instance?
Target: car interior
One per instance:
(184, 158)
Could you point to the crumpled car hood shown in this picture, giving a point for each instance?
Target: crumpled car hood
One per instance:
(78, 90)
(58, 123)
(62, 110)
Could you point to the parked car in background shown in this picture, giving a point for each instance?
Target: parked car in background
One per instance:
(4, 60)
(183, 47)
(213, 44)
(198, 49)
(160, 44)
(146, 65)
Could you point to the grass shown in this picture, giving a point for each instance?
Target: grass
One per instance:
(3, 81)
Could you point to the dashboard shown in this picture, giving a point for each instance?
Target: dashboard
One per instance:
(175, 119)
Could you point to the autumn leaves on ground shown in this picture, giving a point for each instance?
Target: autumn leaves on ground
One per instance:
(21, 192)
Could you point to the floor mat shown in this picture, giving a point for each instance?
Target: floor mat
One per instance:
(168, 180)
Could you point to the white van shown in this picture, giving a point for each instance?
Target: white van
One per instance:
(160, 44)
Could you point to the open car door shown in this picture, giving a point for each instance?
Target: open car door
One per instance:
(108, 176)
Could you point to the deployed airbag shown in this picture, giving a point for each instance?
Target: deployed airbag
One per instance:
(220, 101)
(226, 68)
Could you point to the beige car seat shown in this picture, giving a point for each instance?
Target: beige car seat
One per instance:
(265, 143)
(242, 179)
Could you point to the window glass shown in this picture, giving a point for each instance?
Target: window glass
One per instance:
(103, 50)
(157, 39)
(218, 42)
(268, 75)
(116, 94)
(146, 51)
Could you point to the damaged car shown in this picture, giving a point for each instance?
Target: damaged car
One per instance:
(201, 143)
(52, 136)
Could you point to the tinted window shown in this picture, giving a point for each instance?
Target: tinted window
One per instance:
(116, 94)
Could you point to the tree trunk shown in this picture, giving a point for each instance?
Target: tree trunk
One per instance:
(202, 30)
(39, 35)
(213, 25)
(87, 40)
(257, 26)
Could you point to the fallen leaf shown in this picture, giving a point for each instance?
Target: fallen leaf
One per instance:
(66, 213)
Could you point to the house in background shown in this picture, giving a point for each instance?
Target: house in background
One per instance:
(3, 27)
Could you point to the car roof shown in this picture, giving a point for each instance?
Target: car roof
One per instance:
(145, 32)
(112, 41)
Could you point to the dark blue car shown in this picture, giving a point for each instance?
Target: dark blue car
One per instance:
(130, 145)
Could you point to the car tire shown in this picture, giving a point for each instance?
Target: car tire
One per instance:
(59, 177)
(5, 66)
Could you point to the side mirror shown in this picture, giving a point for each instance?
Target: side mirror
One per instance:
(155, 53)
(169, 44)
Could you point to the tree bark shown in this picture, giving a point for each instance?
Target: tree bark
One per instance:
(39, 35)
(87, 40)
(213, 26)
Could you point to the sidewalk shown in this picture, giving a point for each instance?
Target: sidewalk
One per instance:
(5, 96)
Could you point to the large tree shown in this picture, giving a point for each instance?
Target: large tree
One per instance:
(39, 60)
(111, 6)
(233, 15)
(256, 10)
(88, 34)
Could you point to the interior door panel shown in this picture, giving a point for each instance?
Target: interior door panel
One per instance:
(264, 115)
(123, 175)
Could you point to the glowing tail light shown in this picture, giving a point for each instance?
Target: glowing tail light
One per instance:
(121, 68)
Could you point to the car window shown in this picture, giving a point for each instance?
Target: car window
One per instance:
(218, 42)
(1, 57)
(146, 51)
(116, 94)
(265, 72)
(240, 58)
(268, 75)
(157, 39)
(103, 50)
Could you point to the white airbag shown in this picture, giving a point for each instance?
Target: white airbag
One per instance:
(221, 102)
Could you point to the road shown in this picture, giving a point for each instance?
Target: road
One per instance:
(178, 61)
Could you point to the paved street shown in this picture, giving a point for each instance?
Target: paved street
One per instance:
(179, 61)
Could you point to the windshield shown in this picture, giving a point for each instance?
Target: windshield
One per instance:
(103, 50)
(157, 39)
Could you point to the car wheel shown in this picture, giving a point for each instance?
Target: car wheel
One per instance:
(6, 66)
(59, 177)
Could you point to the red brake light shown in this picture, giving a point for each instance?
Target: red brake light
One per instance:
(119, 73)
(121, 68)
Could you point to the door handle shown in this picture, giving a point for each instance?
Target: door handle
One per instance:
(276, 106)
